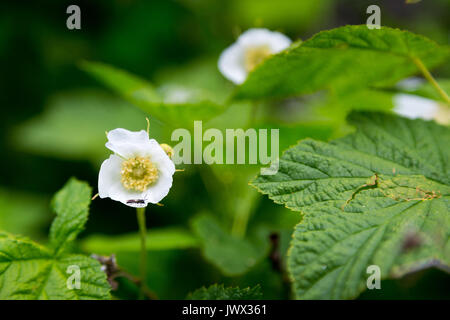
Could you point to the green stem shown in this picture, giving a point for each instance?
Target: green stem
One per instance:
(241, 216)
(253, 113)
(430, 79)
(143, 235)
(243, 208)
(240, 222)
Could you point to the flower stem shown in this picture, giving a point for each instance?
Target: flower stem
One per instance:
(253, 113)
(430, 79)
(143, 264)
(240, 222)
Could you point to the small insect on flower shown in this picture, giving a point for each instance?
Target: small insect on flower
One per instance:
(137, 202)
(139, 172)
(251, 48)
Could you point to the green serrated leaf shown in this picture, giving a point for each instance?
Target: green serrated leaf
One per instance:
(364, 197)
(71, 205)
(157, 239)
(342, 58)
(30, 271)
(232, 255)
(219, 292)
(173, 105)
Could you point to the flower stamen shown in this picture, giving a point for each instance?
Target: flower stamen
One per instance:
(255, 55)
(138, 173)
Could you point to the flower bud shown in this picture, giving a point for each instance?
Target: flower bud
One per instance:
(168, 149)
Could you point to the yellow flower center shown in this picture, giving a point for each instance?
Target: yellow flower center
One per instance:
(138, 173)
(255, 55)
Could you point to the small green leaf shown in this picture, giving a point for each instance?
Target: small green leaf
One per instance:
(173, 105)
(157, 239)
(232, 255)
(219, 292)
(343, 58)
(122, 82)
(30, 271)
(363, 198)
(71, 205)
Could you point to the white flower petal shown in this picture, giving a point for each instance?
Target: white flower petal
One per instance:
(118, 192)
(159, 157)
(110, 185)
(232, 60)
(109, 175)
(413, 107)
(157, 191)
(166, 168)
(130, 144)
(231, 63)
(127, 143)
(276, 41)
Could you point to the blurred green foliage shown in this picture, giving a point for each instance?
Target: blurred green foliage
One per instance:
(33, 213)
(54, 116)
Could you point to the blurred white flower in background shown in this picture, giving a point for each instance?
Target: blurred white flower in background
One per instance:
(413, 106)
(177, 94)
(416, 107)
(139, 172)
(251, 48)
(410, 84)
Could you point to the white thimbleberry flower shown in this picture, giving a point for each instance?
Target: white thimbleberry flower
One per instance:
(139, 172)
(251, 48)
(414, 107)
